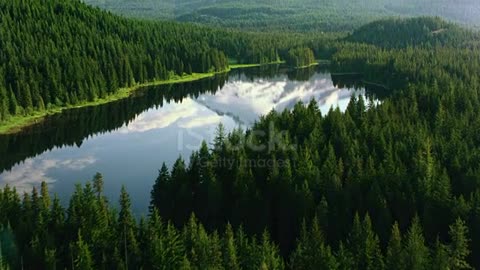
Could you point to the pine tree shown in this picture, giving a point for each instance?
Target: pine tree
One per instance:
(12, 105)
(3, 104)
(26, 97)
(344, 258)
(416, 255)
(83, 257)
(98, 184)
(373, 255)
(270, 255)
(44, 196)
(440, 257)
(174, 249)
(230, 260)
(355, 240)
(159, 190)
(394, 258)
(127, 241)
(152, 249)
(311, 251)
(220, 137)
(215, 260)
(458, 249)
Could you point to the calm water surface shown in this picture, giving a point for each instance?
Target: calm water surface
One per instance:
(128, 140)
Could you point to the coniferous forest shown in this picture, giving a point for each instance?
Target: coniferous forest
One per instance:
(59, 53)
(393, 184)
(292, 15)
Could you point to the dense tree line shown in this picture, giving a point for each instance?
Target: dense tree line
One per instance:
(292, 15)
(57, 53)
(389, 185)
(72, 127)
(413, 32)
(413, 158)
(36, 232)
(261, 15)
(300, 57)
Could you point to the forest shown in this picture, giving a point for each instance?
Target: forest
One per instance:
(300, 57)
(57, 53)
(71, 129)
(292, 15)
(393, 184)
(36, 232)
(408, 164)
(401, 33)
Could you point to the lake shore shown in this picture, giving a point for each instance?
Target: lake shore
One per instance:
(17, 123)
(307, 66)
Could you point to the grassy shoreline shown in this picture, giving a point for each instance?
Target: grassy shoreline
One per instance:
(235, 66)
(307, 66)
(17, 123)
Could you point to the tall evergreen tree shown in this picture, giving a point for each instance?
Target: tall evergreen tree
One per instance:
(230, 260)
(395, 259)
(416, 254)
(126, 231)
(459, 250)
(83, 257)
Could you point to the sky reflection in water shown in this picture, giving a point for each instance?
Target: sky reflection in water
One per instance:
(132, 154)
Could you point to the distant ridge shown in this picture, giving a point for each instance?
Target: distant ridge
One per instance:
(413, 32)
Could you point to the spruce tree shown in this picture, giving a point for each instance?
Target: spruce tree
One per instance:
(416, 255)
(269, 253)
(3, 104)
(373, 258)
(311, 251)
(12, 105)
(458, 249)
(394, 258)
(98, 184)
(174, 248)
(440, 257)
(230, 260)
(126, 231)
(83, 257)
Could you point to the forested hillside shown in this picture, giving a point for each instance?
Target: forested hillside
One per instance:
(58, 53)
(154, 9)
(390, 184)
(36, 232)
(55, 53)
(461, 11)
(296, 15)
(413, 32)
(412, 158)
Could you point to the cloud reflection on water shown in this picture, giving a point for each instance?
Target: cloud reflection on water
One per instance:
(33, 171)
(163, 133)
(243, 101)
(249, 100)
(187, 114)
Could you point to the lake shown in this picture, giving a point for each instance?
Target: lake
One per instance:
(128, 140)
